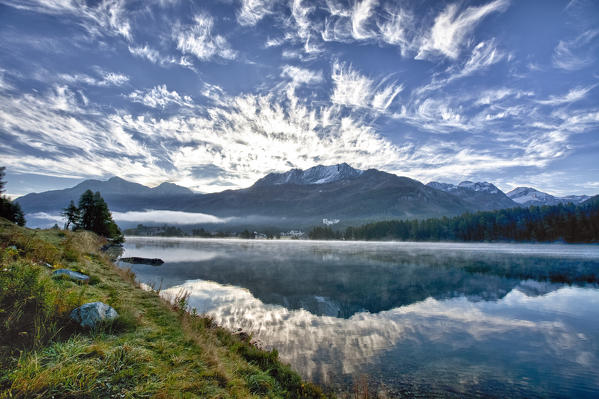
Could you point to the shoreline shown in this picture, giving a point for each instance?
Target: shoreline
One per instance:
(153, 348)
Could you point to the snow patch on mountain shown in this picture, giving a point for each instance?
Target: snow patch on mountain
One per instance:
(479, 186)
(447, 187)
(466, 185)
(529, 196)
(316, 175)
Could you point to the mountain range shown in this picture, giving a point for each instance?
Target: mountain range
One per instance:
(527, 196)
(303, 197)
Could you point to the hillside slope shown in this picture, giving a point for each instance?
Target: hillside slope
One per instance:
(154, 349)
(296, 197)
(479, 196)
(120, 194)
(370, 195)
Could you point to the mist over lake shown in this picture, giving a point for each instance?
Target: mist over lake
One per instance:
(432, 319)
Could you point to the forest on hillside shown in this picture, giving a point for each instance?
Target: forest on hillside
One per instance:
(569, 223)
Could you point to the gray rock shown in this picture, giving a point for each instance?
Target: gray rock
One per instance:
(90, 314)
(73, 275)
(143, 261)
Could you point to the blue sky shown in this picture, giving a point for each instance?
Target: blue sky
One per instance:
(215, 94)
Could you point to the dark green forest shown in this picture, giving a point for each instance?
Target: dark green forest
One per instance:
(569, 223)
(92, 214)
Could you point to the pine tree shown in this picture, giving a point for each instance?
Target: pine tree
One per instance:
(86, 211)
(71, 213)
(94, 215)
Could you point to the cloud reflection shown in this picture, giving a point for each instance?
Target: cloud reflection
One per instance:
(555, 325)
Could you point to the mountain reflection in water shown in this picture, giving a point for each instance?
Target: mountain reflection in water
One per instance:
(432, 319)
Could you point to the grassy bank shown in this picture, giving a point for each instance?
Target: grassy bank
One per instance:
(154, 349)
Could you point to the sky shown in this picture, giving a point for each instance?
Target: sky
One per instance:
(213, 95)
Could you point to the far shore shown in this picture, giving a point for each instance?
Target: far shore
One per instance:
(546, 249)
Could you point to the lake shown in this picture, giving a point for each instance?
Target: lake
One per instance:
(411, 319)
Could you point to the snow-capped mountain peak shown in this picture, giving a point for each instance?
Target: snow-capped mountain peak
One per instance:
(316, 175)
(447, 187)
(482, 196)
(529, 196)
(479, 186)
(466, 185)
(523, 195)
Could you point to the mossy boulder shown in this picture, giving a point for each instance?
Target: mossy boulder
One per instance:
(92, 314)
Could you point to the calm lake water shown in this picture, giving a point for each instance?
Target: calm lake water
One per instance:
(417, 319)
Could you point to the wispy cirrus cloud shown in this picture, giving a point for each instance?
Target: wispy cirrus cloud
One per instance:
(103, 17)
(301, 75)
(105, 79)
(576, 94)
(199, 39)
(572, 55)
(361, 13)
(355, 90)
(452, 28)
(484, 55)
(243, 137)
(252, 11)
(160, 97)
(350, 23)
(232, 92)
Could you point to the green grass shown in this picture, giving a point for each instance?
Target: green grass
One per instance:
(154, 349)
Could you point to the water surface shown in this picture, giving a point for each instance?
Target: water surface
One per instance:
(418, 319)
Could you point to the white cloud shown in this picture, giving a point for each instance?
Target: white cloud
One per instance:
(160, 97)
(347, 24)
(300, 14)
(168, 217)
(105, 79)
(273, 42)
(114, 79)
(155, 57)
(198, 39)
(483, 56)
(571, 55)
(452, 28)
(66, 138)
(46, 216)
(492, 96)
(362, 12)
(304, 339)
(573, 95)
(4, 85)
(300, 29)
(104, 17)
(394, 29)
(356, 90)
(242, 137)
(290, 54)
(146, 52)
(252, 11)
(301, 75)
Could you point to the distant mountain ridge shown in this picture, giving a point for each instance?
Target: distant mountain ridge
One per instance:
(120, 194)
(316, 175)
(295, 198)
(527, 196)
(480, 196)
